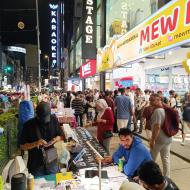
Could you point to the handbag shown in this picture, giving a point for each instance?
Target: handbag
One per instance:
(49, 154)
(107, 134)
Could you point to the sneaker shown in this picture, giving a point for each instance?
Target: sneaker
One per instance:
(183, 143)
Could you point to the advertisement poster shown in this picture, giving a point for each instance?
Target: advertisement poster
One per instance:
(167, 28)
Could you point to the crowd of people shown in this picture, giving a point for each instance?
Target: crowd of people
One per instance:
(121, 113)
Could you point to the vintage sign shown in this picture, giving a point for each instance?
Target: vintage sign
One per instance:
(89, 29)
(88, 69)
(167, 28)
(54, 35)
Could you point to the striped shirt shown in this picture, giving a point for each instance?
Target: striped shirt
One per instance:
(77, 105)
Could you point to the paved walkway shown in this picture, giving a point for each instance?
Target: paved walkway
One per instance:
(177, 149)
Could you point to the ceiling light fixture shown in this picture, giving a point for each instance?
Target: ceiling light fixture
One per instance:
(170, 53)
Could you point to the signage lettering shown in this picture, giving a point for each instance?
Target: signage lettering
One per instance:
(89, 29)
(54, 12)
(124, 17)
(166, 25)
(88, 69)
(89, 2)
(168, 28)
(187, 21)
(89, 22)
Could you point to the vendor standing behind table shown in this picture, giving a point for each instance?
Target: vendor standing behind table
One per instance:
(133, 150)
(50, 130)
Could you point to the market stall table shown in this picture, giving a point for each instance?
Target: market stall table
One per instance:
(65, 116)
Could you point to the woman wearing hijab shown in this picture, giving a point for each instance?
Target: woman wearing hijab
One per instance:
(104, 122)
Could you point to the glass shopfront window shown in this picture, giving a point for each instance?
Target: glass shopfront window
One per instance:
(71, 65)
(78, 54)
(123, 15)
(98, 28)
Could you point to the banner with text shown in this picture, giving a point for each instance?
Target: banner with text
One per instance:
(89, 29)
(88, 69)
(167, 28)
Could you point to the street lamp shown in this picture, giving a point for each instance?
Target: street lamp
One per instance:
(38, 44)
(47, 57)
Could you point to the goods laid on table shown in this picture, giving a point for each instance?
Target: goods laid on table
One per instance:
(89, 158)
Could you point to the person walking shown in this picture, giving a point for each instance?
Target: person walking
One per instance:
(124, 109)
(77, 105)
(159, 142)
(139, 105)
(186, 119)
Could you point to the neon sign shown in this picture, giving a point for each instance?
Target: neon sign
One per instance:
(54, 35)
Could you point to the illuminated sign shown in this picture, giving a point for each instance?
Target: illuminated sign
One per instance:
(54, 35)
(88, 69)
(89, 29)
(167, 28)
(16, 49)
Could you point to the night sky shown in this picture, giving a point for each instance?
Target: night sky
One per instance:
(10, 16)
(11, 34)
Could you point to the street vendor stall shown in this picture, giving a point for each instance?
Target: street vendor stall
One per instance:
(65, 116)
(85, 176)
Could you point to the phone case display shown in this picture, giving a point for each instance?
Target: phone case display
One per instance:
(157, 82)
(181, 83)
(164, 79)
(88, 159)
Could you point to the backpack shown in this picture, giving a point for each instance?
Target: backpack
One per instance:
(171, 122)
(186, 113)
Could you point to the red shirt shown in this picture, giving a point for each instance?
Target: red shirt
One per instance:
(108, 126)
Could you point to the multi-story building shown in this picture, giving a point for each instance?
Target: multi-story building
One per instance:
(113, 20)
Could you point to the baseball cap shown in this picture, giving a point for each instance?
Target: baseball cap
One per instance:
(43, 112)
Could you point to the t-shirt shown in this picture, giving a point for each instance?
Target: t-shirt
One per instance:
(29, 135)
(158, 117)
(77, 105)
(173, 102)
(123, 104)
(139, 102)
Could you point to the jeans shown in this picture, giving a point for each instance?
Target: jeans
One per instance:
(106, 144)
(129, 123)
(138, 114)
(164, 150)
(42, 170)
(80, 117)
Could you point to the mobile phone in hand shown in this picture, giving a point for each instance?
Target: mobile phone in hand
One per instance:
(48, 144)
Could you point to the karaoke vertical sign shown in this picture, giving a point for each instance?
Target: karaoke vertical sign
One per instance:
(89, 29)
(54, 35)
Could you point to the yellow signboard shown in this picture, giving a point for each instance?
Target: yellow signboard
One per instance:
(167, 28)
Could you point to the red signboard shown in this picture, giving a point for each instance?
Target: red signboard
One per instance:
(88, 69)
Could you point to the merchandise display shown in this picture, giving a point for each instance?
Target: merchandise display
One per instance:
(88, 159)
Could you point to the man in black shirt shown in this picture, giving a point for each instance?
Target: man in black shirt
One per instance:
(151, 177)
(49, 129)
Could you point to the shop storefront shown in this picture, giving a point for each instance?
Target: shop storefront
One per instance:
(74, 84)
(123, 15)
(166, 71)
(153, 52)
(88, 74)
